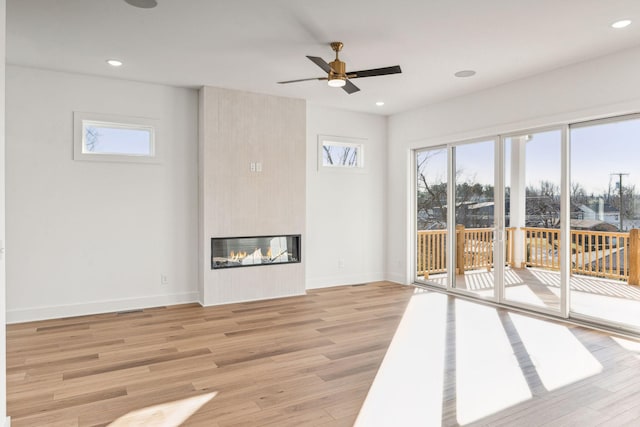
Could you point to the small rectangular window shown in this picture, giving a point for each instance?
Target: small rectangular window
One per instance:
(114, 138)
(339, 152)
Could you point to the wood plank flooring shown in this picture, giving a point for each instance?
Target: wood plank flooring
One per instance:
(290, 361)
(307, 360)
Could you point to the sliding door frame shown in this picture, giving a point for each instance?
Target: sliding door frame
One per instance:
(499, 222)
(499, 249)
(451, 217)
(572, 314)
(414, 209)
(565, 215)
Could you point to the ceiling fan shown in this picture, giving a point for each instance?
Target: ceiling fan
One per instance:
(337, 76)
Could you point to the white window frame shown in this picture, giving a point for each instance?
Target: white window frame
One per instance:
(82, 119)
(341, 141)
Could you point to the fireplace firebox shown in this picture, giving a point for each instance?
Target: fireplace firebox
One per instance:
(230, 252)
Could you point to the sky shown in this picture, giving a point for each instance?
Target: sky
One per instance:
(597, 151)
(113, 140)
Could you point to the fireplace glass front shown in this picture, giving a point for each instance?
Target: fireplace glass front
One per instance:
(251, 251)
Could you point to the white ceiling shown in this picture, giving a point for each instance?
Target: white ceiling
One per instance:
(252, 44)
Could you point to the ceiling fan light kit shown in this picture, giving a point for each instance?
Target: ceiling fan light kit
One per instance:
(337, 81)
(337, 75)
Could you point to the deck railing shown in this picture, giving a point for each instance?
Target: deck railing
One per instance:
(542, 247)
(594, 253)
(432, 252)
(611, 255)
(475, 245)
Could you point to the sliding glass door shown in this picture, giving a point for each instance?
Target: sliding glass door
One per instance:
(473, 235)
(547, 220)
(431, 216)
(532, 215)
(605, 221)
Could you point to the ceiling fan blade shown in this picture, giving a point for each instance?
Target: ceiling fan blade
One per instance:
(350, 87)
(374, 72)
(320, 63)
(302, 80)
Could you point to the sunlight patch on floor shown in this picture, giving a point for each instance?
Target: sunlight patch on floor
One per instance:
(168, 414)
(523, 294)
(488, 376)
(558, 356)
(408, 387)
(629, 345)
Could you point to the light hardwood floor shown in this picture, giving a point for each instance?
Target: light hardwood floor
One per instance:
(307, 360)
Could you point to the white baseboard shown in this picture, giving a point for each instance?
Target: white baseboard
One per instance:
(396, 278)
(263, 298)
(95, 307)
(331, 281)
(7, 422)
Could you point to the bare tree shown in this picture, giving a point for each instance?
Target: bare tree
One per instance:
(327, 152)
(432, 195)
(91, 138)
(543, 205)
(343, 156)
(578, 194)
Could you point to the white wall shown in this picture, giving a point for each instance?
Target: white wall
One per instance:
(346, 209)
(598, 88)
(239, 128)
(87, 237)
(3, 345)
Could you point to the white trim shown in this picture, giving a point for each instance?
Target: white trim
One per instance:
(605, 120)
(270, 297)
(71, 310)
(608, 325)
(342, 280)
(565, 222)
(7, 422)
(115, 121)
(413, 209)
(342, 141)
(451, 218)
(499, 214)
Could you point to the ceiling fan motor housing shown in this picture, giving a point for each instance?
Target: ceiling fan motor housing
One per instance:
(338, 70)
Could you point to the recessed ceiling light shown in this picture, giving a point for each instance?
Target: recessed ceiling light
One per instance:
(465, 73)
(380, 103)
(144, 4)
(622, 23)
(114, 62)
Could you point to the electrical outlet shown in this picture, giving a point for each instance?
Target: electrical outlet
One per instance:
(164, 279)
(259, 167)
(340, 264)
(252, 166)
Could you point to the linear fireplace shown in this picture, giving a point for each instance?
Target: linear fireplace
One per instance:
(229, 252)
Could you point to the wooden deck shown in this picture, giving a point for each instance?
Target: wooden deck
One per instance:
(596, 297)
(312, 360)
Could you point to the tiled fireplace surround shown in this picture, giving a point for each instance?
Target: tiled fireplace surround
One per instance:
(251, 183)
